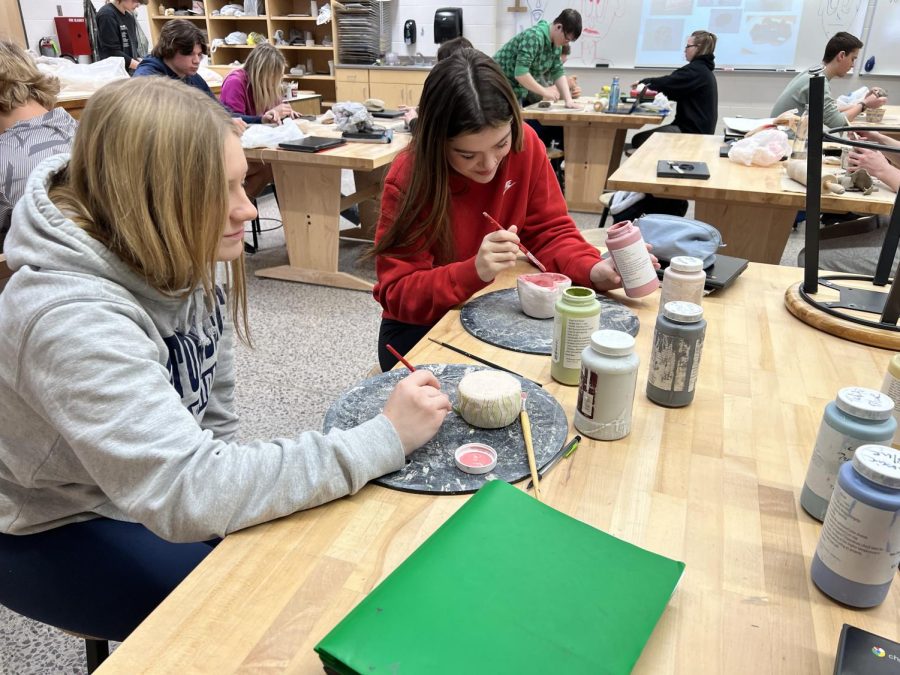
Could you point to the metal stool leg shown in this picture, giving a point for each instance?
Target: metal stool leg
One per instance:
(96, 652)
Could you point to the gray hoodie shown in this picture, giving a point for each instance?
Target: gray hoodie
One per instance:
(117, 401)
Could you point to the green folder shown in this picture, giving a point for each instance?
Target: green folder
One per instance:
(507, 585)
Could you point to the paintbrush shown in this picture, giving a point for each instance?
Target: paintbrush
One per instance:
(529, 448)
(401, 359)
(481, 360)
(528, 254)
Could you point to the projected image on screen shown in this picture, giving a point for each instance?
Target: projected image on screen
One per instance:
(752, 33)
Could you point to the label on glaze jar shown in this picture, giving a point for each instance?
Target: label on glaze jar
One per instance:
(633, 265)
(853, 543)
(578, 336)
(675, 363)
(831, 450)
(586, 391)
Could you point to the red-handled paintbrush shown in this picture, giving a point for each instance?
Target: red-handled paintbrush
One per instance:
(528, 254)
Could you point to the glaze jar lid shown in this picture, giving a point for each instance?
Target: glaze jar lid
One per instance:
(684, 312)
(879, 464)
(612, 342)
(686, 263)
(867, 404)
(475, 458)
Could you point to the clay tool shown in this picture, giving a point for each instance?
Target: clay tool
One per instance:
(528, 254)
(529, 448)
(401, 359)
(564, 451)
(481, 360)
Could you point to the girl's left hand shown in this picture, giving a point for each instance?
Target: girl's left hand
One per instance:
(279, 112)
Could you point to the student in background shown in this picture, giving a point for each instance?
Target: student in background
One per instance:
(32, 128)
(119, 454)
(177, 55)
(841, 53)
(470, 154)
(693, 87)
(117, 31)
(532, 57)
(255, 88)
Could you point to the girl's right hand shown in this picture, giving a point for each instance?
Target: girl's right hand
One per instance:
(417, 408)
(498, 251)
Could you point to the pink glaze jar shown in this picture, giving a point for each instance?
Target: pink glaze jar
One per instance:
(626, 245)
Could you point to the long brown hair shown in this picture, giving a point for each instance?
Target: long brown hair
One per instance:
(265, 68)
(464, 94)
(167, 221)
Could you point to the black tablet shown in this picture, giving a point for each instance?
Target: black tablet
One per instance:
(312, 144)
(671, 168)
(389, 114)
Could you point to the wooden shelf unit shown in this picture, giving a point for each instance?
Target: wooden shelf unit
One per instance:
(277, 17)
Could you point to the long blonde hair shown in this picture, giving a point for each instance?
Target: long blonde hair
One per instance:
(21, 81)
(147, 179)
(265, 68)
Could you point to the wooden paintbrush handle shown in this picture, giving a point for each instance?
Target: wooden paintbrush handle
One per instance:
(529, 450)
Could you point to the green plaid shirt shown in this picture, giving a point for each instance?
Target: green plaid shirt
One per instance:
(531, 51)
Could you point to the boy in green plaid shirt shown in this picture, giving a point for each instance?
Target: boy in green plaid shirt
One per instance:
(532, 57)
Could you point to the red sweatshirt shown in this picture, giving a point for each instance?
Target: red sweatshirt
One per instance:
(524, 192)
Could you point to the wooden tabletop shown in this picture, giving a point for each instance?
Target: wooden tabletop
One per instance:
(728, 181)
(715, 484)
(558, 114)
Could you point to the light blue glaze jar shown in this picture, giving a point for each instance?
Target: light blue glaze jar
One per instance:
(859, 548)
(856, 416)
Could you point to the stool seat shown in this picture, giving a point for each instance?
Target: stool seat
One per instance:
(555, 153)
(606, 200)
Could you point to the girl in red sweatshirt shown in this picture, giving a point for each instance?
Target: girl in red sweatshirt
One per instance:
(470, 154)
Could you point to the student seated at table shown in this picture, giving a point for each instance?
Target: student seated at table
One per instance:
(177, 55)
(841, 52)
(693, 87)
(120, 461)
(858, 253)
(31, 127)
(470, 154)
(255, 88)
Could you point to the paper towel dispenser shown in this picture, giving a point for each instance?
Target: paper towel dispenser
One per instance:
(447, 24)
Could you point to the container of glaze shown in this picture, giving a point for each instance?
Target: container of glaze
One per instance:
(575, 319)
(626, 245)
(608, 381)
(859, 548)
(683, 279)
(475, 458)
(675, 359)
(891, 387)
(855, 417)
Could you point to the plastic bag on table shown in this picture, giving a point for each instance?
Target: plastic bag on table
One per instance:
(763, 149)
(78, 78)
(264, 136)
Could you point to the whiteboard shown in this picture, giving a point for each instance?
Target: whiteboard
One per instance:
(883, 39)
(752, 34)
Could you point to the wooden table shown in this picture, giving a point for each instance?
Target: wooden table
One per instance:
(593, 146)
(715, 484)
(745, 203)
(75, 102)
(310, 201)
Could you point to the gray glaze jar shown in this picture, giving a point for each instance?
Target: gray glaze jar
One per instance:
(606, 391)
(675, 359)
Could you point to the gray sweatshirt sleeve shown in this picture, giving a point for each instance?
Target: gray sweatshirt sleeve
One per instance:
(94, 374)
(220, 417)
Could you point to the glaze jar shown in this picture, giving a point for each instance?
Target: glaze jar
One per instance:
(683, 279)
(857, 416)
(859, 548)
(576, 317)
(891, 387)
(675, 359)
(626, 246)
(606, 390)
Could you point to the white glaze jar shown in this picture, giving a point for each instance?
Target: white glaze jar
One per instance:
(684, 279)
(608, 381)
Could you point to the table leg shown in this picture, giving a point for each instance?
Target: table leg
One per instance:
(592, 152)
(757, 233)
(310, 203)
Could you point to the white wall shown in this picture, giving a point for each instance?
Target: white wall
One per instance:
(38, 16)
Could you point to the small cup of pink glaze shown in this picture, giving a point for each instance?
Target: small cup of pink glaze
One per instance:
(475, 458)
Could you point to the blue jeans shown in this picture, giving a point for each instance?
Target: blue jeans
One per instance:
(100, 578)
